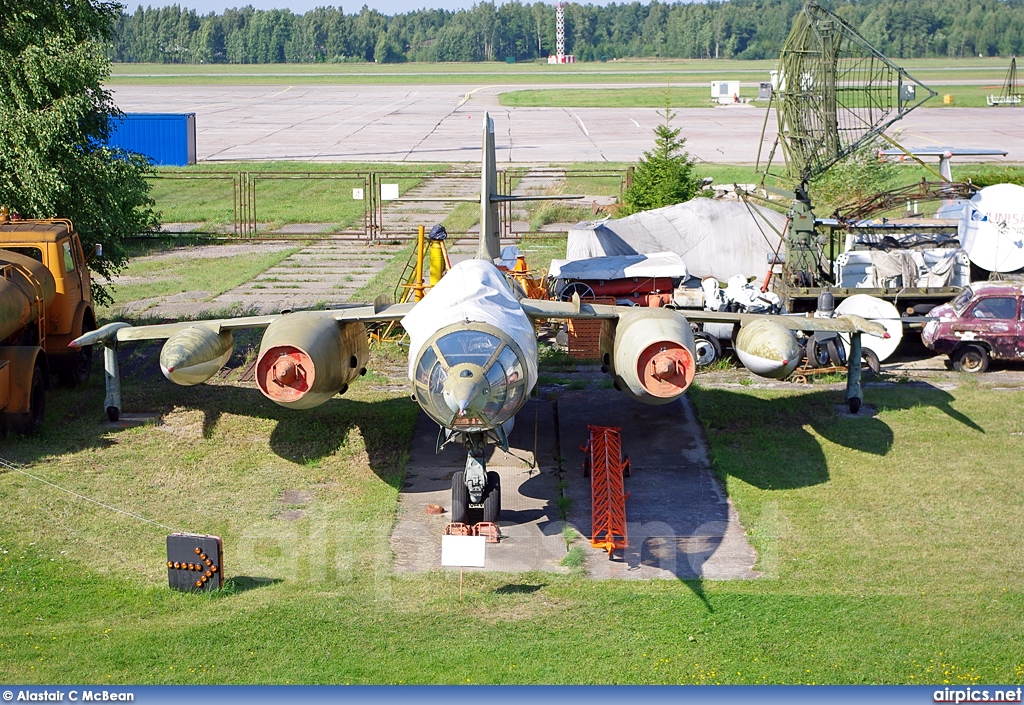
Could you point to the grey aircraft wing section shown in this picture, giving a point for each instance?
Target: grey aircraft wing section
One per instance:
(536, 308)
(123, 332)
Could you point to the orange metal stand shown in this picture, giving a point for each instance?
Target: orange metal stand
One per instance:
(608, 498)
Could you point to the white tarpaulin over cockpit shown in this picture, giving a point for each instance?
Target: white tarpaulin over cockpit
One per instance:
(715, 238)
(658, 264)
(473, 291)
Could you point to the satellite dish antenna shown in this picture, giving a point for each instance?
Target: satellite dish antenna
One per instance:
(992, 228)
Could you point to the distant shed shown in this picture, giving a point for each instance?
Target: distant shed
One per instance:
(168, 139)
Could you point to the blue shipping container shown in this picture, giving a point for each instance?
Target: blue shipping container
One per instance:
(168, 139)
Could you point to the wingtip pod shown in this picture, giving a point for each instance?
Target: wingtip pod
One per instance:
(103, 334)
(863, 325)
(193, 355)
(768, 349)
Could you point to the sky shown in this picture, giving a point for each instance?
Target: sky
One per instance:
(388, 7)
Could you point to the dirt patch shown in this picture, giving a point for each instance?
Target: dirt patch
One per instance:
(295, 498)
(184, 423)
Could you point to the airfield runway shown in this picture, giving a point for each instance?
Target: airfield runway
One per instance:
(441, 123)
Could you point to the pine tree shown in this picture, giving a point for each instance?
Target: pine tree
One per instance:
(664, 176)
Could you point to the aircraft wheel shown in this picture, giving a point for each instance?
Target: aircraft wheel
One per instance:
(870, 361)
(817, 354)
(113, 413)
(836, 352)
(460, 498)
(492, 498)
(709, 350)
(854, 404)
(970, 358)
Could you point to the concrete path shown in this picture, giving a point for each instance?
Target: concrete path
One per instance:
(681, 524)
(327, 272)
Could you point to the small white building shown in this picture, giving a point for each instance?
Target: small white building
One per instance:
(725, 91)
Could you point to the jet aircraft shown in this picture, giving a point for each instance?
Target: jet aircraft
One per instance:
(473, 350)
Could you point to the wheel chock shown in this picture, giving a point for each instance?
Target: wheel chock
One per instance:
(488, 529)
(457, 529)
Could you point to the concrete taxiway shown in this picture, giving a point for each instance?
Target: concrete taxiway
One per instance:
(681, 523)
(440, 123)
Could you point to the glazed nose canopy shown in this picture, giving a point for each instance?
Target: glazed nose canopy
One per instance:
(285, 373)
(666, 369)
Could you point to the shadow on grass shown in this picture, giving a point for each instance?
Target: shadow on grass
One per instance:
(512, 589)
(776, 443)
(244, 583)
(74, 421)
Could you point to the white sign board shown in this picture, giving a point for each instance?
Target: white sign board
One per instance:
(357, 194)
(463, 551)
(389, 192)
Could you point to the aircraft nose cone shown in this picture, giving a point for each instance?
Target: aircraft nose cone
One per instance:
(465, 394)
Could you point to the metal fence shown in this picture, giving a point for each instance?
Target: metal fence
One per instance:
(370, 205)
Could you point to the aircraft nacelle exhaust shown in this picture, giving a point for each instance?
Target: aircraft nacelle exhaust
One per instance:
(650, 353)
(308, 357)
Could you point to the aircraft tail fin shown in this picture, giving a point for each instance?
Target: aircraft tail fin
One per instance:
(489, 247)
(490, 237)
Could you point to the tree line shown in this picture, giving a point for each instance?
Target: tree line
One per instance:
(735, 29)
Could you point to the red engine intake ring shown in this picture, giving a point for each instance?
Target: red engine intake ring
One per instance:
(285, 373)
(665, 369)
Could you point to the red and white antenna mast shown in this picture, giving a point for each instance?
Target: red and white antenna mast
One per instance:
(560, 57)
(560, 30)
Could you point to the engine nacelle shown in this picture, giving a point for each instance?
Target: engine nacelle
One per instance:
(650, 353)
(193, 355)
(308, 357)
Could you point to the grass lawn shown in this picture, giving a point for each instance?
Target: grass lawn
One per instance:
(285, 192)
(498, 73)
(680, 97)
(891, 546)
(150, 277)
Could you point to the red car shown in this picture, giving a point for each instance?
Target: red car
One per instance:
(984, 322)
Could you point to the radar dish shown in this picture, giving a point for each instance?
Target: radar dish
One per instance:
(874, 309)
(992, 228)
(835, 93)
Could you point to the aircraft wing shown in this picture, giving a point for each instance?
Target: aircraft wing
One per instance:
(122, 332)
(536, 308)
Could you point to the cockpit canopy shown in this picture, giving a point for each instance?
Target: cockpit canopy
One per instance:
(472, 369)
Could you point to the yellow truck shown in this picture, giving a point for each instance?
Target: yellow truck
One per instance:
(45, 303)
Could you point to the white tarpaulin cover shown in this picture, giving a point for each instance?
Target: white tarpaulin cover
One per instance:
(473, 291)
(715, 238)
(658, 264)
